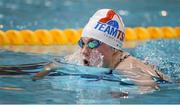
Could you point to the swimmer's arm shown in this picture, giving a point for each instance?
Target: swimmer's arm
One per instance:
(51, 66)
(143, 80)
(162, 76)
(150, 69)
(46, 70)
(157, 73)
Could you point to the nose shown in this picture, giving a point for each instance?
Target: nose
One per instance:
(85, 51)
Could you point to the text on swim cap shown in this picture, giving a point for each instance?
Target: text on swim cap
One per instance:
(110, 30)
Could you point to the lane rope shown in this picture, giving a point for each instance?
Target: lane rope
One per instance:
(71, 36)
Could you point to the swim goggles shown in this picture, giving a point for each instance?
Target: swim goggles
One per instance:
(91, 44)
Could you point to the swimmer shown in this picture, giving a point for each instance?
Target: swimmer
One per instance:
(103, 36)
(105, 33)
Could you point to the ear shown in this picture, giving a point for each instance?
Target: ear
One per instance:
(115, 51)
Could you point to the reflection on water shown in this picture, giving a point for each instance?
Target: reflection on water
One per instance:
(55, 50)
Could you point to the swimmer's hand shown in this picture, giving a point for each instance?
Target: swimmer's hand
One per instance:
(119, 94)
(47, 69)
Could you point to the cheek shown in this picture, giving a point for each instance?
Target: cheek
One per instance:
(106, 52)
(107, 57)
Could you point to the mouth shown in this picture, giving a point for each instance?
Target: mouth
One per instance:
(86, 62)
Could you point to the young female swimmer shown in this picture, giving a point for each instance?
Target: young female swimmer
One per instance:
(104, 35)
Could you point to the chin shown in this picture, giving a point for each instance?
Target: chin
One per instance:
(105, 65)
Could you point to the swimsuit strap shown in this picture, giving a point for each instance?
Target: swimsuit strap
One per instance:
(120, 60)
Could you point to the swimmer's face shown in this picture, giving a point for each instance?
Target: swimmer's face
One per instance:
(104, 49)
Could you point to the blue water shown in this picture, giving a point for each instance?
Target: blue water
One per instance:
(48, 14)
(88, 87)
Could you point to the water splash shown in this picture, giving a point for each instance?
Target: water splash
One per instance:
(95, 58)
(75, 58)
(162, 53)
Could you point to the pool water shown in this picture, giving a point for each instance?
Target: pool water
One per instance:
(79, 84)
(62, 14)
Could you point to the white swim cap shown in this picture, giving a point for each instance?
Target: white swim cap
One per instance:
(107, 26)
